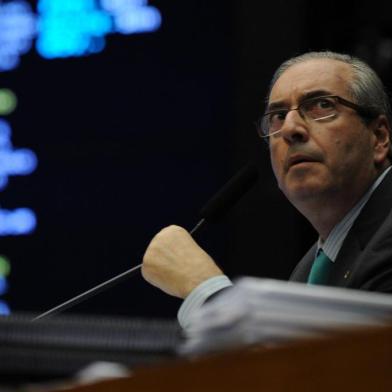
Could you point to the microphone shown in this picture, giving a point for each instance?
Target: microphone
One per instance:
(230, 193)
(215, 208)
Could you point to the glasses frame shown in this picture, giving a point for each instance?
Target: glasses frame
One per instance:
(361, 110)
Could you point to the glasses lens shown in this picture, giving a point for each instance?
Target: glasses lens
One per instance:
(273, 121)
(318, 108)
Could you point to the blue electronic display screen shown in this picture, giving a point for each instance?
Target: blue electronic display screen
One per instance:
(69, 28)
(115, 118)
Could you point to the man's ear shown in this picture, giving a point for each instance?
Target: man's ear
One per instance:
(381, 130)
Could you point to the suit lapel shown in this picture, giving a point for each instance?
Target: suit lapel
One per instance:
(302, 270)
(365, 226)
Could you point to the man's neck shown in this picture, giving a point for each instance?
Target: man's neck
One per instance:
(328, 214)
(326, 211)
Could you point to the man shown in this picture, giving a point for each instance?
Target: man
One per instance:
(328, 126)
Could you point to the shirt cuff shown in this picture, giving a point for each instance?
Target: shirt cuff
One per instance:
(199, 295)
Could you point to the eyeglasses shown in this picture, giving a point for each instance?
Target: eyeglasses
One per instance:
(312, 109)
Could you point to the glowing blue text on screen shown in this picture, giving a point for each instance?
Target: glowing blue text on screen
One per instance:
(69, 28)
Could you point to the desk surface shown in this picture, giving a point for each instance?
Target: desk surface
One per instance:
(357, 360)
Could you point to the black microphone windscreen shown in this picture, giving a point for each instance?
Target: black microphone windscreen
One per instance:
(231, 192)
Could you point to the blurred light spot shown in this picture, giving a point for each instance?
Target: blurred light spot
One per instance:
(8, 101)
(3, 285)
(17, 222)
(71, 28)
(133, 16)
(17, 30)
(4, 309)
(5, 266)
(13, 162)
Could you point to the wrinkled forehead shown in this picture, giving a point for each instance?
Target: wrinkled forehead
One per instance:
(331, 76)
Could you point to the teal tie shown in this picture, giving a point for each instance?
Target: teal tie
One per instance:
(321, 268)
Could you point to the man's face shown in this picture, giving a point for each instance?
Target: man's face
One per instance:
(332, 158)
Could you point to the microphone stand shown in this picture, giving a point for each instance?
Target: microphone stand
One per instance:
(99, 288)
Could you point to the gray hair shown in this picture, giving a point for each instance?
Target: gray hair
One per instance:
(366, 88)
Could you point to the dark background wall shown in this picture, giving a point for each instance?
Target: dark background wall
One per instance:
(141, 135)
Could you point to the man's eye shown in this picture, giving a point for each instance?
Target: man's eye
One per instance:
(277, 116)
(319, 107)
(320, 104)
(324, 103)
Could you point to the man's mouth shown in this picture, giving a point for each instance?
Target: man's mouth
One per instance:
(297, 159)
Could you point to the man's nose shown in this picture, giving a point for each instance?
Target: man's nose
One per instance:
(294, 129)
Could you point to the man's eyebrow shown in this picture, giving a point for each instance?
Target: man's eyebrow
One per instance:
(315, 94)
(308, 95)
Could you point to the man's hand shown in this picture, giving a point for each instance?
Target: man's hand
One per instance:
(174, 262)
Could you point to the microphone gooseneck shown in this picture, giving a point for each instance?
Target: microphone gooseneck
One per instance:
(99, 288)
(215, 208)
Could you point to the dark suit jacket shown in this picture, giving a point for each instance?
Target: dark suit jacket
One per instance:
(365, 259)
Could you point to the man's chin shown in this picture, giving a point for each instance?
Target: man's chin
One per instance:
(304, 190)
